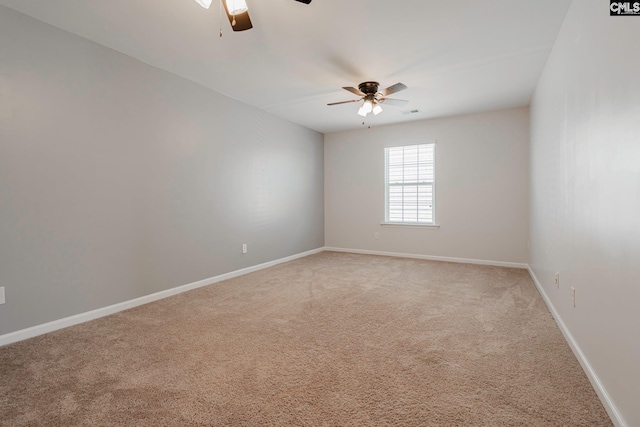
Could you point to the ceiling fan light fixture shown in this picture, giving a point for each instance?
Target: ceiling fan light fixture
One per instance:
(235, 7)
(372, 97)
(367, 106)
(204, 3)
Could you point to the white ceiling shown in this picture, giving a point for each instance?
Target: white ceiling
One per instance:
(456, 57)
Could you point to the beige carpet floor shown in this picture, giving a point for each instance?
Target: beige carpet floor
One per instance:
(328, 340)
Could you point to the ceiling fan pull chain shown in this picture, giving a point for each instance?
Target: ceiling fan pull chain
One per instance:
(220, 20)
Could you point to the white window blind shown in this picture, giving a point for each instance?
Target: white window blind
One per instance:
(409, 184)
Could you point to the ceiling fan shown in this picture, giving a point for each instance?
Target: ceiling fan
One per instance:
(238, 12)
(368, 91)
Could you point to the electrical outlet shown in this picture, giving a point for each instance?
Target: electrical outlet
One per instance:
(2, 301)
(573, 296)
(244, 248)
(556, 280)
(376, 235)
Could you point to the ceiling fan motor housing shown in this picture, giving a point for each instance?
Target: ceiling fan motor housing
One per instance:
(369, 88)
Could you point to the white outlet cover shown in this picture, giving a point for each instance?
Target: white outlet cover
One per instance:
(2, 301)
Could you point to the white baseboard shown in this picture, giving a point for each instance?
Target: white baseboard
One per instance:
(607, 402)
(115, 308)
(430, 257)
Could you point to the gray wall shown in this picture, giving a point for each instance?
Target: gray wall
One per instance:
(481, 187)
(118, 180)
(585, 193)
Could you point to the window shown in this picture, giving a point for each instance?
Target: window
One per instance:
(409, 184)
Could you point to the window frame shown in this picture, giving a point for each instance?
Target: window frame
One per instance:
(386, 222)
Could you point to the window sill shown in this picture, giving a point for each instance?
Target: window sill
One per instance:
(410, 225)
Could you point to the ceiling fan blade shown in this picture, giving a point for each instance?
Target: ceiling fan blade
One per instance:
(242, 21)
(396, 102)
(304, 1)
(393, 89)
(354, 90)
(344, 102)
